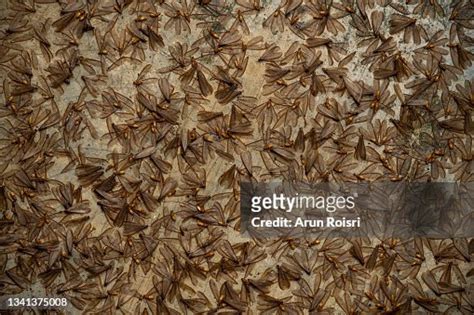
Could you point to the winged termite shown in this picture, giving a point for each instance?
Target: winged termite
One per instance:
(380, 99)
(275, 21)
(272, 53)
(356, 252)
(181, 55)
(259, 286)
(250, 6)
(229, 87)
(314, 298)
(179, 16)
(227, 43)
(434, 46)
(429, 9)
(334, 50)
(61, 70)
(399, 22)
(295, 53)
(197, 70)
(306, 67)
(461, 57)
(278, 152)
(285, 275)
(345, 8)
(131, 228)
(360, 152)
(279, 305)
(323, 19)
(91, 83)
(240, 23)
(168, 188)
(239, 62)
(275, 73)
(40, 34)
(141, 80)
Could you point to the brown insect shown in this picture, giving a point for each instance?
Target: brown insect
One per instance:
(322, 18)
(179, 16)
(196, 71)
(411, 31)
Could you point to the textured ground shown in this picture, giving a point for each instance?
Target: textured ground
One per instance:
(126, 127)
